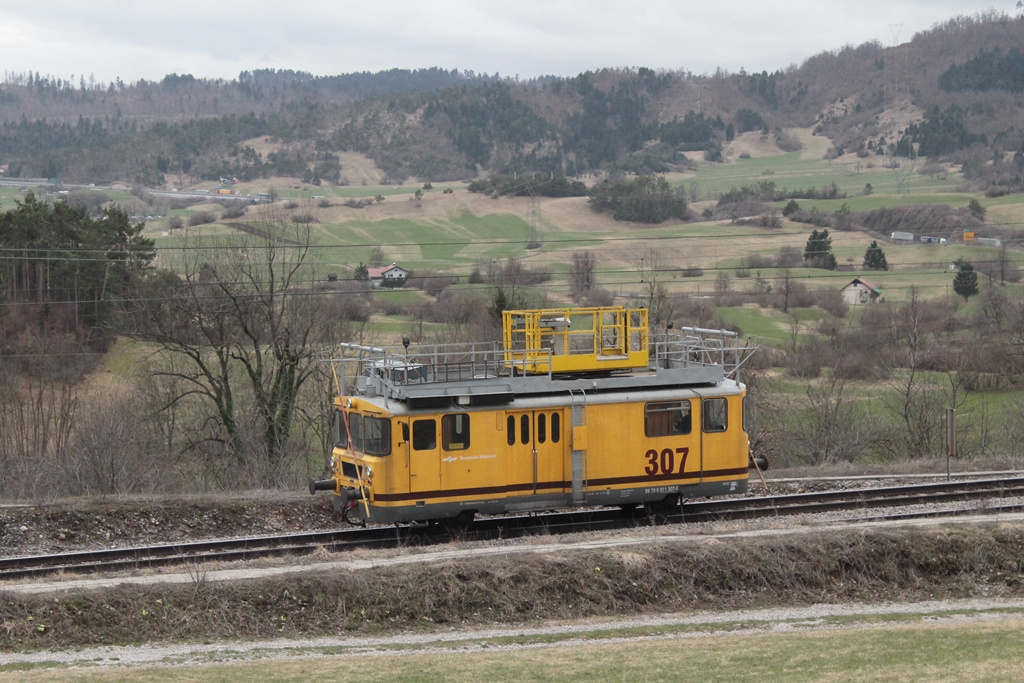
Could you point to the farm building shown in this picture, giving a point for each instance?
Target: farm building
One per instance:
(861, 291)
(377, 276)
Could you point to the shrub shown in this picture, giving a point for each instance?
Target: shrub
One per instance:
(201, 218)
(431, 282)
(598, 297)
(788, 257)
(757, 262)
(832, 302)
(235, 211)
(360, 203)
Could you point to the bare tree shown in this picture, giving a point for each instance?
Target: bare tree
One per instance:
(510, 282)
(786, 289)
(246, 323)
(581, 274)
(376, 259)
(916, 402)
(38, 406)
(652, 264)
(831, 426)
(114, 448)
(459, 316)
(722, 283)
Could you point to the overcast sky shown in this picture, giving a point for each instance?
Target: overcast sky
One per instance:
(133, 39)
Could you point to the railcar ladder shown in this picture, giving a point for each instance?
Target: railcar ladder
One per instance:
(579, 447)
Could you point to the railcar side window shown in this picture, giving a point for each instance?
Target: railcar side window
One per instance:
(424, 435)
(524, 429)
(542, 432)
(510, 430)
(455, 432)
(716, 414)
(555, 427)
(376, 436)
(666, 419)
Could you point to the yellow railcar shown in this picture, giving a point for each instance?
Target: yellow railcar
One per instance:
(576, 407)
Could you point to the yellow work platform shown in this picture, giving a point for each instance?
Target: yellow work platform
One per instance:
(568, 340)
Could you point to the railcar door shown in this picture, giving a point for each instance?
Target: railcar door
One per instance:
(536, 443)
(719, 438)
(424, 456)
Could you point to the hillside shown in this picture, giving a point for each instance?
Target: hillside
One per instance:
(927, 96)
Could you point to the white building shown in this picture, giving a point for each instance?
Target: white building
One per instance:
(861, 291)
(377, 276)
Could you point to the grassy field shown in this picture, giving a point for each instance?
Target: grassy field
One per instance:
(874, 648)
(796, 170)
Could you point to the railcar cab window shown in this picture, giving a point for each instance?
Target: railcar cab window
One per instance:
(371, 435)
(668, 418)
(339, 433)
(455, 432)
(716, 414)
(424, 435)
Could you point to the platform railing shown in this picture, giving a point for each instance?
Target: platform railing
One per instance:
(392, 371)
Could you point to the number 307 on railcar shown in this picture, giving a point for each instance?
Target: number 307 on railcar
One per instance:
(574, 407)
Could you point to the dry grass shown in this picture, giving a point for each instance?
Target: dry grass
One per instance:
(517, 588)
(753, 144)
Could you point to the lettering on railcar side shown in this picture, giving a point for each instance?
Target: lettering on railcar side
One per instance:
(464, 458)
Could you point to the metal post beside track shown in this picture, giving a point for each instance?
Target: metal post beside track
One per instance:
(950, 440)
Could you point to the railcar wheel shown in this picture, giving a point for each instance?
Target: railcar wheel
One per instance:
(661, 510)
(459, 523)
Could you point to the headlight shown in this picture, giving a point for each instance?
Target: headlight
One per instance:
(368, 471)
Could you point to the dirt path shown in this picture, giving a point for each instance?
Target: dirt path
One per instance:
(708, 624)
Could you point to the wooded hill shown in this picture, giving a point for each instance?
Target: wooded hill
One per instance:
(954, 92)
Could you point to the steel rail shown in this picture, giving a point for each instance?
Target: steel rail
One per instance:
(492, 528)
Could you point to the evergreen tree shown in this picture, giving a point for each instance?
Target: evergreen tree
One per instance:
(58, 255)
(818, 251)
(976, 209)
(645, 199)
(966, 281)
(874, 258)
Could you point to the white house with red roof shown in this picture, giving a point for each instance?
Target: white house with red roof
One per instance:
(377, 276)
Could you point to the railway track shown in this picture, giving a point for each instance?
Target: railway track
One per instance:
(229, 550)
(852, 499)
